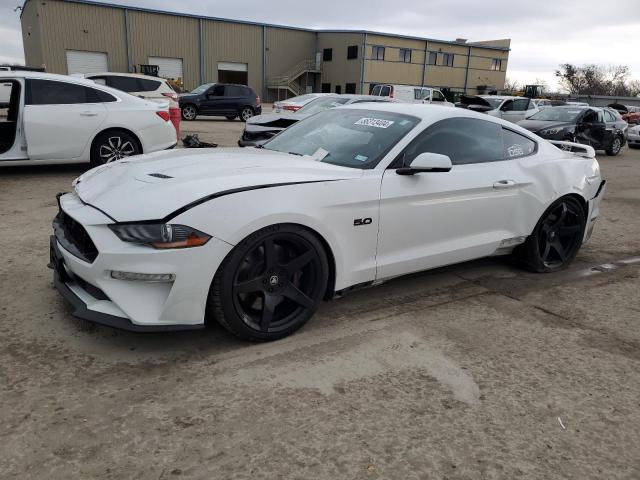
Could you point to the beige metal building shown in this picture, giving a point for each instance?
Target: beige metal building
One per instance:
(81, 36)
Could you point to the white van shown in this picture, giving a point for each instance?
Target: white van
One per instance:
(411, 94)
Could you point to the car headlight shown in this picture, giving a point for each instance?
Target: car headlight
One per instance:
(551, 131)
(160, 235)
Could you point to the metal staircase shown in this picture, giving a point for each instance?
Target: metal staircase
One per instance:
(289, 81)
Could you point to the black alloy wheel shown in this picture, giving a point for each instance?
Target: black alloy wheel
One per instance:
(270, 284)
(556, 239)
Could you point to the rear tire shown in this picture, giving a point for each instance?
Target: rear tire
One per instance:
(246, 113)
(616, 146)
(113, 145)
(556, 239)
(270, 284)
(189, 112)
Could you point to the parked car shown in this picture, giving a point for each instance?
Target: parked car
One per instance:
(602, 128)
(220, 99)
(512, 109)
(628, 113)
(633, 136)
(257, 238)
(411, 94)
(543, 103)
(144, 86)
(295, 103)
(62, 119)
(261, 128)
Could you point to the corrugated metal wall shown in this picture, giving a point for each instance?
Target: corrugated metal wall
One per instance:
(158, 35)
(340, 70)
(32, 34)
(233, 42)
(73, 26)
(286, 48)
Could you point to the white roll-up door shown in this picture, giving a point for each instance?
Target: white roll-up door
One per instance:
(233, 67)
(86, 62)
(167, 67)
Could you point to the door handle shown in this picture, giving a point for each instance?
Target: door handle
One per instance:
(89, 114)
(504, 184)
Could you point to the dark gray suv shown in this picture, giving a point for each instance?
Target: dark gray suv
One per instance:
(220, 99)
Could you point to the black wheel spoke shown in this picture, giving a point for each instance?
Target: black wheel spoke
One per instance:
(270, 254)
(268, 309)
(297, 263)
(293, 293)
(565, 231)
(547, 249)
(563, 213)
(557, 246)
(253, 285)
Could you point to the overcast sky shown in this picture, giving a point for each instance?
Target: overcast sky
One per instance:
(544, 34)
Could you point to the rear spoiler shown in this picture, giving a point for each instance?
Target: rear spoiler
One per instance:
(576, 148)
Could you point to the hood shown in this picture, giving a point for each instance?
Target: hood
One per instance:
(273, 121)
(474, 102)
(152, 186)
(537, 125)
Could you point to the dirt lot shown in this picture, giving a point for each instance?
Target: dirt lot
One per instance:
(476, 371)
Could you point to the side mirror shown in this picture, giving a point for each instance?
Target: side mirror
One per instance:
(427, 162)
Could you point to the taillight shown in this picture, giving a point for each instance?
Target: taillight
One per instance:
(392, 93)
(293, 108)
(257, 99)
(171, 95)
(163, 115)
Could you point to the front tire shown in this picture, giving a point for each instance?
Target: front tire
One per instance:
(616, 146)
(113, 145)
(556, 239)
(189, 112)
(270, 284)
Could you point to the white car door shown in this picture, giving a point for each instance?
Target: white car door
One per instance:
(61, 118)
(433, 219)
(515, 110)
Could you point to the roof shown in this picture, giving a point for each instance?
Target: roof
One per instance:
(262, 24)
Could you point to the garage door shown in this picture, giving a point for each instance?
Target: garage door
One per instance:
(167, 67)
(230, 72)
(86, 62)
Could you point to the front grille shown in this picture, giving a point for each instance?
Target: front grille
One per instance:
(74, 238)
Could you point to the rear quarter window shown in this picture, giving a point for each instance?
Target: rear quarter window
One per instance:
(516, 145)
(148, 85)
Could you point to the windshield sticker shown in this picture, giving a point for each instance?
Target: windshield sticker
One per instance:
(515, 150)
(403, 122)
(374, 122)
(361, 158)
(319, 154)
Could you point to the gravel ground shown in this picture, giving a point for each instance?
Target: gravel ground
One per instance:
(476, 371)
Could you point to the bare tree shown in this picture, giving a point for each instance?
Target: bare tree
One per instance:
(511, 85)
(594, 79)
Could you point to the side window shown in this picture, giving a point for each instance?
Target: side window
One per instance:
(377, 53)
(352, 52)
(600, 117)
(217, 91)
(327, 54)
(433, 58)
(385, 91)
(234, 91)
(417, 93)
(464, 140)
(438, 97)
(48, 92)
(126, 84)
(99, 80)
(590, 117)
(521, 105)
(608, 116)
(148, 85)
(516, 145)
(507, 106)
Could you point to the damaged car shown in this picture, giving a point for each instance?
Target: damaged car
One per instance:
(261, 128)
(512, 109)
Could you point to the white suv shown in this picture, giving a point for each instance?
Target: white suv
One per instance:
(144, 86)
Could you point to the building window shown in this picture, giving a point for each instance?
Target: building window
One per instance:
(433, 58)
(338, 89)
(378, 53)
(352, 52)
(447, 59)
(405, 55)
(496, 64)
(327, 54)
(350, 88)
(326, 88)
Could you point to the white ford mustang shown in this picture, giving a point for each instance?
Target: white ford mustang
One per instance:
(256, 238)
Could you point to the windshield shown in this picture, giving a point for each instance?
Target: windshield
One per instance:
(202, 88)
(321, 104)
(494, 102)
(557, 114)
(301, 98)
(346, 137)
